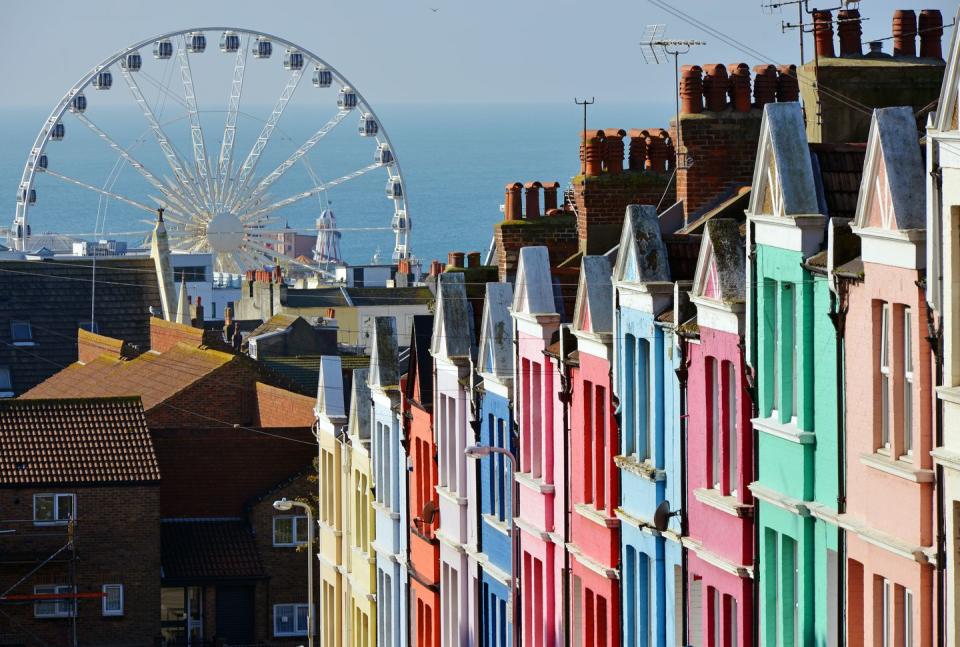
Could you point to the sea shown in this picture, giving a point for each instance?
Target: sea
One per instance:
(455, 159)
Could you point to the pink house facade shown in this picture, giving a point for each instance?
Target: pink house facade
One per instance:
(541, 476)
(889, 517)
(719, 447)
(595, 537)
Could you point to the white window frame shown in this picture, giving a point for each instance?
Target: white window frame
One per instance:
(56, 520)
(295, 521)
(294, 610)
(716, 425)
(733, 462)
(885, 376)
(907, 618)
(62, 608)
(105, 589)
(23, 341)
(907, 383)
(6, 382)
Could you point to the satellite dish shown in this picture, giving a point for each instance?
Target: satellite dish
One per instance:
(429, 512)
(661, 517)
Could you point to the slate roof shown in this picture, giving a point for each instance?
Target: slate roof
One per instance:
(85, 441)
(153, 376)
(341, 297)
(302, 369)
(682, 254)
(276, 322)
(838, 169)
(196, 550)
(420, 361)
(54, 296)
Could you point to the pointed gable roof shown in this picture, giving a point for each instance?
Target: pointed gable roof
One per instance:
(330, 388)
(893, 188)
(360, 404)
(783, 182)
(384, 358)
(453, 318)
(534, 285)
(593, 312)
(496, 331)
(721, 266)
(419, 385)
(642, 255)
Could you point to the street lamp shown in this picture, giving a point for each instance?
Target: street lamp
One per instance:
(283, 505)
(477, 452)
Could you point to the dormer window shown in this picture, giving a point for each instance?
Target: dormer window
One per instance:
(21, 333)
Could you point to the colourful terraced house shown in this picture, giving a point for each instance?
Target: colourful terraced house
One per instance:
(541, 478)
(719, 446)
(331, 426)
(389, 480)
(453, 352)
(424, 567)
(890, 551)
(360, 589)
(794, 355)
(495, 368)
(594, 546)
(649, 458)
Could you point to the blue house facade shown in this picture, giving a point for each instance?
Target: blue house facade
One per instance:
(649, 461)
(495, 419)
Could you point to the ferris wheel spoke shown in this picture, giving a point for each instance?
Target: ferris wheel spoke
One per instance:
(182, 174)
(133, 162)
(315, 190)
(225, 165)
(103, 192)
(202, 164)
(163, 88)
(293, 159)
(240, 183)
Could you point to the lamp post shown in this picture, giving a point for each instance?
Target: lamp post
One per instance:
(283, 505)
(480, 451)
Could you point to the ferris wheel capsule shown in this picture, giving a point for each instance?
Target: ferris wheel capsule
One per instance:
(103, 80)
(29, 197)
(78, 103)
(42, 162)
(347, 100)
(394, 189)
(322, 77)
(163, 49)
(229, 42)
(262, 48)
(399, 219)
(196, 42)
(293, 60)
(368, 126)
(131, 62)
(384, 155)
(58, 131)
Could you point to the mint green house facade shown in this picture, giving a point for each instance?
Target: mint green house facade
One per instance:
(793, 349)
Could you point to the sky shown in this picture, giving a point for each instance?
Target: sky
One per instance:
(401, 51)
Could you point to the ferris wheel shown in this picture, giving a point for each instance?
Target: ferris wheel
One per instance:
(218, 196)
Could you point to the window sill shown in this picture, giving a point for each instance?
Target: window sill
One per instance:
(644, 469)
(25, 344)
(597, 516)
(49, 523)
(536, 484)
(897, 467)
(786, 431)
(6, 394)
(495, 523)
(450, 495)
(290, 545)
(386, 510)
(728, 504)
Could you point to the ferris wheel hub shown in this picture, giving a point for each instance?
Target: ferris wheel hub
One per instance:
(225, 232)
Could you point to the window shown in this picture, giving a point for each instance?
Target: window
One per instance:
(730, 618)
(907, 618)
(21, 333)
(112, 604)
(599, 452)
(536, 426)
(731, 430)
(290, 619)
(646, 402)
(55, 607)
(886, 615)
(713, 388)
(190, 274)
(53, 508)
(907, 383)
(628, 403)
(885, 376)
(588, 459)
(289, 530)
(6, 384)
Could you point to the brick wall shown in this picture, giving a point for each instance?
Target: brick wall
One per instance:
(557, 232)
(602, 201)
(117, 540)
(723, 146)
(281, 408)
(286, 568)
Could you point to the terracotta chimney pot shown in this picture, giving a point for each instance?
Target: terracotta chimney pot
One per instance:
(691, 90)
(904, 32)
(739, 88)
(593, 156)
(638, 149)
(455, 259)
(823, 33)
(931, 31)
(764, 85)
(512, 207)
(531, 199)
(550, 192)
(715, 87)
(788, 87)
(850, 31)
(473, 259)
(613, 150)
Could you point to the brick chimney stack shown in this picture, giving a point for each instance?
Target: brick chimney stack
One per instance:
(904, 32)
